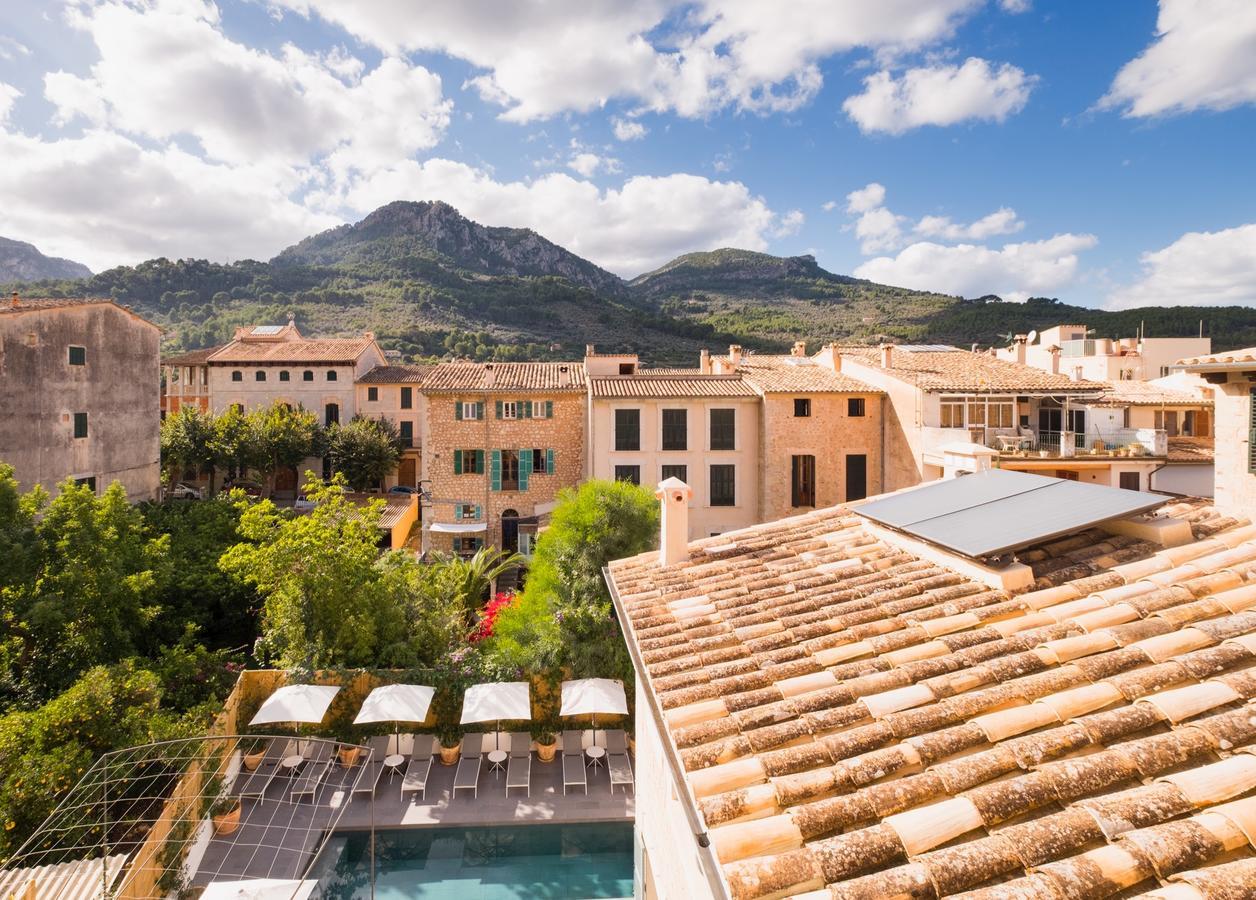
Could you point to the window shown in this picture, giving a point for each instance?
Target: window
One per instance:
(285, 375)
(259, 375)
(802, 490)
(468, 462)
(88, 481)
(372, 394)
(681, 472)
(723, 485)
(174, 374)
(1165, 371)
(510, 470)
(1167, 420)
(627, 429)
(238, 407)
(630, 474)
(331, 375)
(237, 375)
(467, 545)
(331, 414)
(802, 407)
(542, 461)
(80, 425)
(407, 398)
(468, 511)
(856, 407)
(78, 356)
(627, 368)
(1131, 481)
(952, 412)
(723, 429)
(407, 434)
(1002, 414)
(675, 429)
(307, 375)
(468, 410)
(510, 410)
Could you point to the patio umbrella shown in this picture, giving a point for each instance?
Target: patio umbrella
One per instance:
(297, 703)
(495, 701)
(396, 703)
(259, 889)
(590, 696)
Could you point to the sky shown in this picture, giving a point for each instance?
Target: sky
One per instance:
(1102, 153)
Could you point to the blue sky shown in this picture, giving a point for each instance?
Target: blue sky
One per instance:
(1099, 152)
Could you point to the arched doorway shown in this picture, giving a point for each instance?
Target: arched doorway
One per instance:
(286, 481)
(510, 531)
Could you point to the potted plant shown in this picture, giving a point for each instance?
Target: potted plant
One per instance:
(252, 751)
(545, 732)
(450, 738)
(225, 814)
(348, 751)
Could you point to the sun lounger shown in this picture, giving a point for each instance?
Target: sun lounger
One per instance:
(573, 761)
(253, 784)
(318, 761)
(468, 774)
(617, 763)
(368, 780)
(519, 771)
(418, 768)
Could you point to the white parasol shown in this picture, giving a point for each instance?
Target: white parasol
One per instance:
(396, 703)
(591, 696)
(496, 701)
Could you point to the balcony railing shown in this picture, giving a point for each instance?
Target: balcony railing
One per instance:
(1065, 444)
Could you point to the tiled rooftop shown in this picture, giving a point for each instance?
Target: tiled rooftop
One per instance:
(648, 386)
(321, 350)
(797, 374)
(395, 375)
(505, 377)
(191, 357)
(1246, 356)
(1143, 393)
(963, 370)
(857, 722)
(1191, 449)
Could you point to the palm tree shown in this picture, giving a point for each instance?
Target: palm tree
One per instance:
(473, 578)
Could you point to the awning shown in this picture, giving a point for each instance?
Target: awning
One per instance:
(459, 527)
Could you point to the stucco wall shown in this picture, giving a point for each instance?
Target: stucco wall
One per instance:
(902, 417)
(312, 395)
(1235, 485)
(118, 388)
(387, 405)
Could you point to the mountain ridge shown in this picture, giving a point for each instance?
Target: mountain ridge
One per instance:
(21, 261)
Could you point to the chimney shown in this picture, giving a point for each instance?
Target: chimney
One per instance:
(1020, 340)
(369, 335)
(1054, 350)
(887, 356)
(674, 496)
(704, 362)
(800, 349)
(588, 350)
(734, 353)
(16, 302)
(830, 358)
(490, 375)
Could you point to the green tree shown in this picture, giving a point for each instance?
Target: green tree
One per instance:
(564, 616)
(327, 601)
(470, 580)
(364, 450)
(187, 442)
(283, 437)
(235, 445)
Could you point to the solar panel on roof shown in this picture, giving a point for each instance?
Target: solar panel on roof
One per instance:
(928, 348)
(267, 329)
(991, 513)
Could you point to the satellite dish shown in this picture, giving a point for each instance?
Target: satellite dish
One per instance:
(1031, 337)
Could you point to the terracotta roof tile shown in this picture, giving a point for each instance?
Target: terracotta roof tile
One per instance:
(505, 377)
(1143, 393)
(963, 370)
(857, 720)
(1191, 449)
(394, 375)
(797, 374)
(28, 304)
(1244, 357)
(319, 350)
(648, 385)
(191, 357)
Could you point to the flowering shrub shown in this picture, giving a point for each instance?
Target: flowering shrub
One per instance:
(488, 618)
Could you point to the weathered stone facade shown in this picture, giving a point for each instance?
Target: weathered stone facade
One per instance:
(80, 396)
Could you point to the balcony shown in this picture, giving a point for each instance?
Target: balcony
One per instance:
(1032, 442)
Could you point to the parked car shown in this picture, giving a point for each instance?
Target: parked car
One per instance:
(302, 503)
(402, 489)
(181, 491)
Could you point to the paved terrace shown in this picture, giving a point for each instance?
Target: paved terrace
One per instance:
(279, 839)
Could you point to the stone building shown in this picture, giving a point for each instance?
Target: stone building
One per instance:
(395, 393)
(185, 380)
(79, 395)
(1233, 377)
(499, 440)
(1075, 351)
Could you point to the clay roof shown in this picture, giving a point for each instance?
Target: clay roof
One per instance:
(1143, 393)
(1191, 449)
(191, 357)
(315, 350)
(859, 722)
(650, 386)
(798, 374)
(1230, 358)
(670, 370)
(38, 304)
(394, 375)
(963, 370)
(507, 377)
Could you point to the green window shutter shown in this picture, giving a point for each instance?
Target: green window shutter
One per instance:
(549, 462)
(457, 462)
(495, 470)
(458, 410)
(549, 409)
(525, 468)
(479, 514)
(457, 510)
(479, 411)
(499, 409)
(479, 462)
(527, 409)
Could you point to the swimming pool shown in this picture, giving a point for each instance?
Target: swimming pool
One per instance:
(518, 862)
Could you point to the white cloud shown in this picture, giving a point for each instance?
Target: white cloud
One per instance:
(1015, 7)
(790, 223)
(1014, 272)
(1210, 268)
(1204, 57)
(628, 230)
(829, 205)
(939, 95)
(543, 57)
(8, 96)
(628, 129)
(11, 49)
(879, 230)
(589, 164)
(104, 200)
(167, 69)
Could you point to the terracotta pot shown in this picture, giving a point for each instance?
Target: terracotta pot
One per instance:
(449, 755)
(349, 756)
(227, 823)
(546, 752)
(253, 760)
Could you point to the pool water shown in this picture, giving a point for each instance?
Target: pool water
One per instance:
(520, 862)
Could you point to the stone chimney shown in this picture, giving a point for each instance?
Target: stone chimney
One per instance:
(490, 374)
(589, 350)
(16, 302)
(829, 358)
(369, 335)
(887, 356)
(734, 354)
(1054, 350)
(1020, 341)
(704, 362)
(799, 349)
(674, 496)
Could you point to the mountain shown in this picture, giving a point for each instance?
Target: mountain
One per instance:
(431, 283)
(20, 261)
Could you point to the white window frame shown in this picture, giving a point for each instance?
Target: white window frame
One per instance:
(470, 410)
(510, 409)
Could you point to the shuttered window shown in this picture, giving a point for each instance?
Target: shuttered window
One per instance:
(407, 398)
(724, 429)
(675, 429)
(723, 485)
(803, 480)
(468, 462)
(627, 429)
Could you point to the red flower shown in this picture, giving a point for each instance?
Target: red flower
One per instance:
(488, 618)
